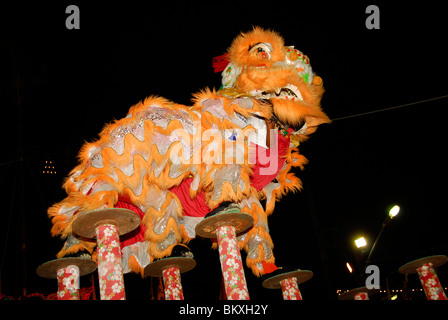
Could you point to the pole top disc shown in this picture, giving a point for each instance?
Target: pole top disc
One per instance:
(207, 227)
(49, 269)
(273, 282)
(411, 267)
(86, 222)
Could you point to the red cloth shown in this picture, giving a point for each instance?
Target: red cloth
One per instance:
(268, 267)
(191, 207)
(268, 163)
(220, 62)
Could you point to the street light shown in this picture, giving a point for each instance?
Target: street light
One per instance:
(360, 242)
(394, 211)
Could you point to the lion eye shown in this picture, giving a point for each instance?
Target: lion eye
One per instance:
(262, 50)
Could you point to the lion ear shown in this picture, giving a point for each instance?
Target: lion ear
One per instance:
(239, 51)
(313, 122)
(317, 81)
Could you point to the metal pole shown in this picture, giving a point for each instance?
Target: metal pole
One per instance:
(385, 224)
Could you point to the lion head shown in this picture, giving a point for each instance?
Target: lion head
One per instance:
(277, 76)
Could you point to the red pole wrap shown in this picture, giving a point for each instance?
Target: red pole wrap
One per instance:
(68, 283)
(231, 264)
(290, 289)
(110, 271)
(361, 296)
(173, 286)
(430, 282)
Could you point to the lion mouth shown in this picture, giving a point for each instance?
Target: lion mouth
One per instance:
(288, 92)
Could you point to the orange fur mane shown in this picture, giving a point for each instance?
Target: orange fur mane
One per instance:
(272, 66)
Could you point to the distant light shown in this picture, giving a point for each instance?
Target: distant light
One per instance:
(361, 242)
(349, 267)
(394, 211)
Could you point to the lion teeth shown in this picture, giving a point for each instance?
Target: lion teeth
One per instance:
(289, 91)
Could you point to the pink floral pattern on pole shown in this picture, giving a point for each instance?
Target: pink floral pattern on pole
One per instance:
(290, 289)
(361, 296)
(430, 282)
(110, 272)
(173, 286)
(231, 264)
(68, 283)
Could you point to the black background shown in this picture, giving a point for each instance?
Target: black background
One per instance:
(72, 82)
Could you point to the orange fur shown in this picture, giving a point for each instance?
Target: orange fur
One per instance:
(238, 51)
(135, 266)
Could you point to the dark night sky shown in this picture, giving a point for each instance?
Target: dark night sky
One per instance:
(75, 81)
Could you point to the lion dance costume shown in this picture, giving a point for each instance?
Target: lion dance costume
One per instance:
(173, 164)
